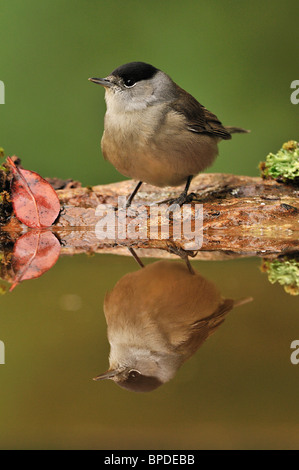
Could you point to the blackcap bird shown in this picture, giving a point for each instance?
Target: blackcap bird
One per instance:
(156, 132)
(157, 318)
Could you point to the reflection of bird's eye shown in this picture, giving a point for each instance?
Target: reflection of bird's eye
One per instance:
(133, 374)
(129, 82)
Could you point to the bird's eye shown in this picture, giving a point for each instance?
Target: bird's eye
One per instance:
(129, 82)
(133, 374)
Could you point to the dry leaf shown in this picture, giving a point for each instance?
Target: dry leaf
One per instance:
(35, 202)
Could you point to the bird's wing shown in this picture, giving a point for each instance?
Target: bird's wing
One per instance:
(202, 329)
(199, 119)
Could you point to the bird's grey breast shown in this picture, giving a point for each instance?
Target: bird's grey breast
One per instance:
(139, 123)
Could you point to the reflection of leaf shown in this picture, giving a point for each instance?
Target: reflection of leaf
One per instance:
(35, 202)
(34, 253)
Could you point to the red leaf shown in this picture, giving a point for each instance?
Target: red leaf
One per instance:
(35, 202)
(34, 253)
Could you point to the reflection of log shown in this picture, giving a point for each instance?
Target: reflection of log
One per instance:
(241, 215)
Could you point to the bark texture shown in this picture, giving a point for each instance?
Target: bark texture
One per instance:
(242, 216)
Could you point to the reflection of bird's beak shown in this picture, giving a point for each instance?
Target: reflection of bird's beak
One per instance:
(101, 81)
(109, 374)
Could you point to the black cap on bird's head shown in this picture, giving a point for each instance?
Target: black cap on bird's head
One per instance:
(131, 379)
(129, 74)
(135, 72)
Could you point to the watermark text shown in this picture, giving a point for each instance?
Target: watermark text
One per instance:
(154, 222)
(295, 354)
(2, 352)
(2, 93)
(295, 95)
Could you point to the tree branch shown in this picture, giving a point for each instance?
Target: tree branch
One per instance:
(242, 216)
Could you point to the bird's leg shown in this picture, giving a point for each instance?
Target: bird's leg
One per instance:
(136, 257)
(190, 269)
(183, 197)
(133, 194)
(183, 254)
(131, 197)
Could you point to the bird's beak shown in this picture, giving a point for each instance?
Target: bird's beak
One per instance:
(102, 81)
(109, 374)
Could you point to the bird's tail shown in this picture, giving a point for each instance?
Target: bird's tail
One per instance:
(238, 303)
(236, 130)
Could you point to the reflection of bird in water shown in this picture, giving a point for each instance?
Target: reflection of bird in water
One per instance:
(157, 318)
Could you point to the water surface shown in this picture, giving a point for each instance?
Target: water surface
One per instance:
(239, 390)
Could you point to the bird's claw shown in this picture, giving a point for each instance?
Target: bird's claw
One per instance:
(180, 200)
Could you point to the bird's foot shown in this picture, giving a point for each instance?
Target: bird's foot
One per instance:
(183, 198)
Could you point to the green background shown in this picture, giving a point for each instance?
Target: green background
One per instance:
(238, 58)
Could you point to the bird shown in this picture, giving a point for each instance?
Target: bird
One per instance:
(156, 132)
(157, 318)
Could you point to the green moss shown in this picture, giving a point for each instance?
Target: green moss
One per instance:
(3, 289)
(2, 168)
(285, 272)
(284, 164)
